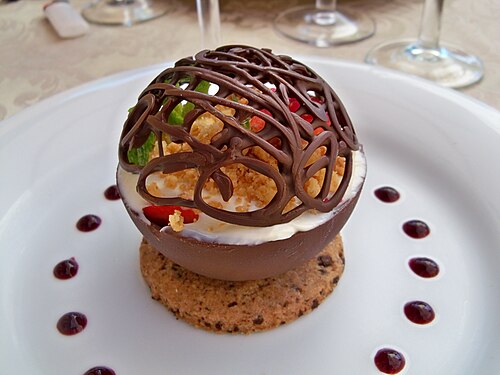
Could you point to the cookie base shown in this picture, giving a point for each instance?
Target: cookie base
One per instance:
(242, 306)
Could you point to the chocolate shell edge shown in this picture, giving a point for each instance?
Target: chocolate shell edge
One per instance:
(245, 262)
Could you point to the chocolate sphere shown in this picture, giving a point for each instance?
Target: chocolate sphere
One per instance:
(288, 112)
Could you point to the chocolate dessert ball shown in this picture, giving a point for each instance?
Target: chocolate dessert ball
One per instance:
(239, 164)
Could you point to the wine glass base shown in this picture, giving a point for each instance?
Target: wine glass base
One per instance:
(447, 65)
(323, 29)
(124, 12)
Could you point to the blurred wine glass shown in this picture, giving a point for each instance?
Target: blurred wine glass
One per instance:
(323, 25)
(426, 56)
(124, 12)
(209, 22)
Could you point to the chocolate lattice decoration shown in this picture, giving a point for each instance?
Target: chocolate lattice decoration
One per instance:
(269, 82)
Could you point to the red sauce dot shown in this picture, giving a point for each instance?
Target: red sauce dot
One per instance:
(389, 361)
(112, 193)
(424, 267)
(419, 312)
(88, 223)
(416, 229)
(71, 323)
(387, 194)
(66, 269)
(99, 370)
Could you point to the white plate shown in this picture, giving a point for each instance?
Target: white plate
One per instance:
(439, 148)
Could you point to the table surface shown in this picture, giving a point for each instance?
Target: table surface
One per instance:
(35, 63)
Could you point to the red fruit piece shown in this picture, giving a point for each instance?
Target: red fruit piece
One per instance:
(263, 110)
(276, 142)
(293, 105)
(159, 214)
(307, 117)
(257, 124)
(316, 99)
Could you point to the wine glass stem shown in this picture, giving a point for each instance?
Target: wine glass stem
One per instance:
(209, 21)
(326, 12)
(330, 5)
(430, 26)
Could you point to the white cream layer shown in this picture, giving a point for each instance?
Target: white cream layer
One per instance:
(208, 229)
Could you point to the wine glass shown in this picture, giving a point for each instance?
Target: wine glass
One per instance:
(124, 12)
(426, 57)
(209, 22)
(323, 25)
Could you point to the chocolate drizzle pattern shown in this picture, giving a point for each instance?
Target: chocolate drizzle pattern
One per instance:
(268, 82)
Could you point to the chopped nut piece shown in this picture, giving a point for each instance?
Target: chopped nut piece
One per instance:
(176, 221)
(215, 204)
(242, 208)
(154, 189)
